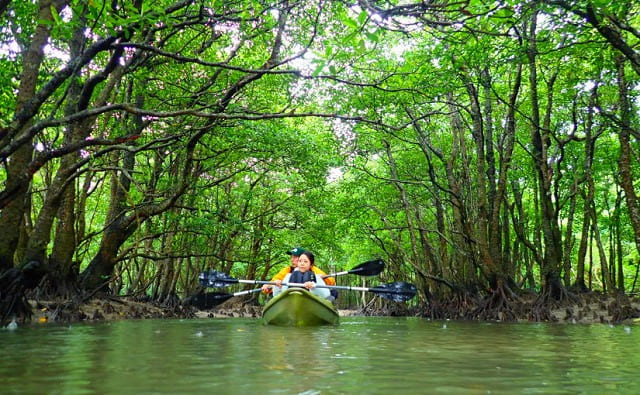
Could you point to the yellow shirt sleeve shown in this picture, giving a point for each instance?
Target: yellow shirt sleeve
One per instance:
(282, 274)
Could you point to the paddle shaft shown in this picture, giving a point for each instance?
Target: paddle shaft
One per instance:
(343, 287)
(398, 291)
(336, 274)
(247, 292)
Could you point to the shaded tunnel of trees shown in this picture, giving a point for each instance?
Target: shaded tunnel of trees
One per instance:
(484, 150)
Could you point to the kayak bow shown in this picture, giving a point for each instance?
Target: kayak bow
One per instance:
(299, 307)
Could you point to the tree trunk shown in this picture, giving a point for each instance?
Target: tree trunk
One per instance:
(569, 239)
(441, 261)
(120, 225)
(60, 197)
(625, 159)
(499, 204)
(552, 257)
(404, 201)
(118, 229)
(464, 254)
(12, 214)
(64, 245)
(582, 251)
(588, 220)
(480, 232)
(607, 285)
(618, 243)
(533, 257)
(167, 267)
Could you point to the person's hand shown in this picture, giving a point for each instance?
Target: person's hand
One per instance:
(266, 287)
(279, 283)
(309, 285)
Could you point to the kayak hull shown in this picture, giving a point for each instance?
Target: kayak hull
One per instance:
(299, 307)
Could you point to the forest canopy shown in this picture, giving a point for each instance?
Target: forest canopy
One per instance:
(482, 149)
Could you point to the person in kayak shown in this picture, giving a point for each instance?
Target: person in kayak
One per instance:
(295, 255)
(304, 274)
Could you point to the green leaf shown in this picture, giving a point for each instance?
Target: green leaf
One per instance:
(350, 23)
(361, 47)
(55, 15)
(319, 68)
(362, 18)
(373, 36)
(45, 22)
(504, 13)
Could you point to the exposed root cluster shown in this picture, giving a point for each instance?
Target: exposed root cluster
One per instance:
(505, 305)
(501, 305)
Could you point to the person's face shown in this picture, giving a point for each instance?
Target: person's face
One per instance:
(294, 260)
(304, 264)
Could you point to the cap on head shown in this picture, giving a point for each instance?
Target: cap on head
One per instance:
(296, 251)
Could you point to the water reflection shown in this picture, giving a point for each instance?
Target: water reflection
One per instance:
(361, 355)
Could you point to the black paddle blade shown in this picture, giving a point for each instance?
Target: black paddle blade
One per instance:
(369, 268)
(398, 291)
(207, 300)
(215, 279)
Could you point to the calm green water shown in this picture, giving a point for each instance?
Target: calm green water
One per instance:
(362, 355)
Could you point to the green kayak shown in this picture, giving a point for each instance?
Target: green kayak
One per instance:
(299, 307)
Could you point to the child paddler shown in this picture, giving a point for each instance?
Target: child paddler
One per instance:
(295, 255)
(304, 275)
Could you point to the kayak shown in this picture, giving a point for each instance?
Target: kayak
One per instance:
(299, 307)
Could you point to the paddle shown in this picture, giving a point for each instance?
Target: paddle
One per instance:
(397, 291)
(208, 300)
(369, 268)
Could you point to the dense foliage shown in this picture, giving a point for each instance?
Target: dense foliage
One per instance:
(482, 149)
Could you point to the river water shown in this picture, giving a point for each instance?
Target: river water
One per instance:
(362, 355)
